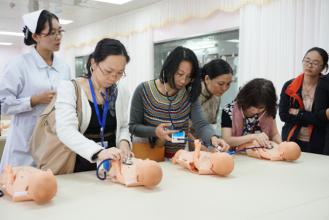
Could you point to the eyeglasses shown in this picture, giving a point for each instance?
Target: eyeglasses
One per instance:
(309, 63)
(53, 34)
(110, 72)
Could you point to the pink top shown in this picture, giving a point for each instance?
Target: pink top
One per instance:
(265, 122)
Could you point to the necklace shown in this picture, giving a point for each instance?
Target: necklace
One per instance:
(308, 92)
(308, 96)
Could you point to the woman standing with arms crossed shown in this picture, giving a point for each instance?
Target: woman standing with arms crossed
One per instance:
(296, 108)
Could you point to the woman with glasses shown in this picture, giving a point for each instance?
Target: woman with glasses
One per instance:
(251, 116)
(296, 109)
(103, 132)
(162, 107)
(29, 83)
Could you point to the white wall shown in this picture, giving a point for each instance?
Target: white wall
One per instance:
(140, 45)
(7, 53)
(220, 21)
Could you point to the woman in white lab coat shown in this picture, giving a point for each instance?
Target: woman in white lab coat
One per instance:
(29, 83)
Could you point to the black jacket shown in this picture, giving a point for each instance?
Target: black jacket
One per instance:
(302, 119)
(321, 103)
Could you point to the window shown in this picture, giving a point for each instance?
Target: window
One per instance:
(80, 65)
(224, 45)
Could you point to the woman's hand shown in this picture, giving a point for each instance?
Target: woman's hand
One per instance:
(293, 111)
(125, 150)
(327, 113)
(112, 153)
(163, 133)
(219, 143)
(43, 98)
(262, 139)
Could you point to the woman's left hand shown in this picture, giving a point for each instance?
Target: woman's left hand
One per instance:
(125, 150)
(294, 111)
(220, 144)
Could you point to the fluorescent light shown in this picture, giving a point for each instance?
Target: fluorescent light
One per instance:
(200, 45)
(116, 2)
(64, 21)
(233, 41)
(10, 33)
(5, 44)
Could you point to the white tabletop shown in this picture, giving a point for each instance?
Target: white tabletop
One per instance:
(257, 189)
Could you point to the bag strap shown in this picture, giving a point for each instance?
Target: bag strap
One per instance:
(79, 102)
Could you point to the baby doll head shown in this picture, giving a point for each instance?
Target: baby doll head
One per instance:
(42, 186)
(289, 151)
(222, 163)
(149, 173)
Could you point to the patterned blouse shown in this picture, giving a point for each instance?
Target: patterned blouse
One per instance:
(210, 105)
(250, 124)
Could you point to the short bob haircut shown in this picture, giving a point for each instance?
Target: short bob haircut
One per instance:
(258, 93)
(216, 68)
(104, 48)
(170, 67)
(45, 17)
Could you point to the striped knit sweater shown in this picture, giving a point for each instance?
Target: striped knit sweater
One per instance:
(150, 108)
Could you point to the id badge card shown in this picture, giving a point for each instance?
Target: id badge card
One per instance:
(105, 144)
(178, 137)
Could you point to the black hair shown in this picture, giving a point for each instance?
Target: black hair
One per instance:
(104, 48)
(258, 93)
(323, 54)
(216, 68)
(45, 17)
(170, 67)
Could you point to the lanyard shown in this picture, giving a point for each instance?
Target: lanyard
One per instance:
(169, 113)
(169, 108)
(101, 120)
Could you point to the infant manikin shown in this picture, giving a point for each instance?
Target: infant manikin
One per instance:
(203, 162)
(28, 183)
(288, 151)
(140, 172)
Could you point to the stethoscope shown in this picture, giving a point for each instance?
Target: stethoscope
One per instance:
(234, 151)
(202, 142)
(107, 165)
(169, 108)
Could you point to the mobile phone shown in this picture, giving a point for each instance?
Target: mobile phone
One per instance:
(178, 137)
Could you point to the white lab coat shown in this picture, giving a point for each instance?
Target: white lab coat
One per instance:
(23, 77)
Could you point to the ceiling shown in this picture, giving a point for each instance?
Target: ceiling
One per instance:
(82, 12)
